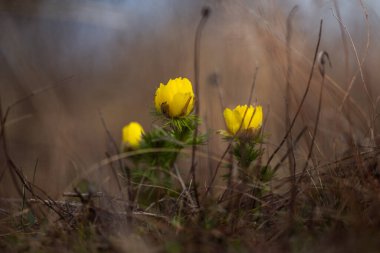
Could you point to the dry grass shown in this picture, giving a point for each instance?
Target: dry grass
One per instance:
(322, 123)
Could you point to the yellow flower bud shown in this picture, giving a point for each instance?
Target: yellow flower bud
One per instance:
(132, 135)
(175, 99)
(252, 120)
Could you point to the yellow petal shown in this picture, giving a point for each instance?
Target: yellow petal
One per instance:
(240, 109)
(176, 98)
(256, 117)
(172, 86)
(252, 120)
(179, 105)
(186, 86)
(232, 120)
(132, 134)
(164, 95)
(157, 98)
(248, 116)
(253, 117)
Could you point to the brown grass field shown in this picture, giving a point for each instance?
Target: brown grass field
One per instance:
(73, 73)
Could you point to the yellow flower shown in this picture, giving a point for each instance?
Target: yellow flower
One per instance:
(132, 134)
(175, 99)
(252, 120)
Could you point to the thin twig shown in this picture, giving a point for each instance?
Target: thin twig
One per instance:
(344, 40)
(303, 98)
(297, 139)
(17, 175)
(35, 171)
(359, 62)
(322, 57)
(184, 188)
(205, 15)
(289, 142)
(120, 161)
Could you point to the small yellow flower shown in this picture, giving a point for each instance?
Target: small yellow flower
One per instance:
(132, 134)
(252, 120)
(175, 99)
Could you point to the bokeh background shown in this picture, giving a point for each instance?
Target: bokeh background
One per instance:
(85, 61)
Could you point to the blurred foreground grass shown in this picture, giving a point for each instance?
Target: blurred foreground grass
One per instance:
(336, 211)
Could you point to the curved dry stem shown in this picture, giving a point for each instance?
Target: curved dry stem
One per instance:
(360, 62)
(303, 98)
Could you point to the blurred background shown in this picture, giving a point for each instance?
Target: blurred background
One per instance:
(84, 61)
